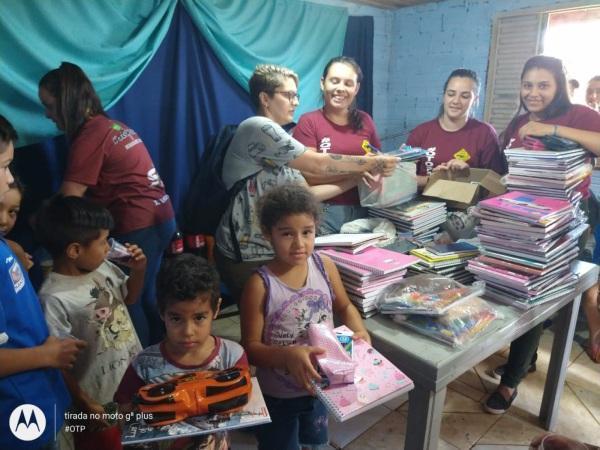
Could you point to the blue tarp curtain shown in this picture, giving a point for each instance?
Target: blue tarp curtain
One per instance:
(174, 110)
(297, 34)
(114, 40)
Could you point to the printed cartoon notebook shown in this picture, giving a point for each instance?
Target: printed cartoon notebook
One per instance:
(376, 381)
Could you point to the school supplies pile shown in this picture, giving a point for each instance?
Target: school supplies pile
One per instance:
(547, 166)
(376, 380)
(419, 220)
(349, 242)
(463, 322)
(448, 260)
(366, 274)
(425, 294)
(527, 243)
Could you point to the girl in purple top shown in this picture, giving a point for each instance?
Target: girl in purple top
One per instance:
(296, 288)
(454, 139)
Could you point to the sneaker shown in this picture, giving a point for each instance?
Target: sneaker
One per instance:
(497, 404)
(499, 371)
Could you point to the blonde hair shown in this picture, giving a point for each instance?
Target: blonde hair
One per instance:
(267, 78)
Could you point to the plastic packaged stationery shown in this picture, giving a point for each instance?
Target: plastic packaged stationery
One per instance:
(462, 323)
(427, 294)
(336, 363)
(398, 188)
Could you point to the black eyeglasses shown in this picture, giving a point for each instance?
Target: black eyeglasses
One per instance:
(291, 95)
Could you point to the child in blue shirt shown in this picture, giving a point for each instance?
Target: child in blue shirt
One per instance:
(33, 396)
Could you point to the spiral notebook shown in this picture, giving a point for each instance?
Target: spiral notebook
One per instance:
(376, 381)
(377, 260)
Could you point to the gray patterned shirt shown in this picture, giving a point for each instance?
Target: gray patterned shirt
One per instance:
(260, 147)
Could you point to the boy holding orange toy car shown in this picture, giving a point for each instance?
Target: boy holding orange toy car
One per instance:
(188, 301)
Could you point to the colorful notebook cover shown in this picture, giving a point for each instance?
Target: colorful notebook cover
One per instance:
(376, 381)
(377, 260)
(255, 412)
(515, 203)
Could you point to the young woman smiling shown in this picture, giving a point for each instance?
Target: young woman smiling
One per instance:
(455, 139)
(338, 128)
(544, 98)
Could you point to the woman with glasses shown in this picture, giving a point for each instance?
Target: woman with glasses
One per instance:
(338, 128)
(262, 156)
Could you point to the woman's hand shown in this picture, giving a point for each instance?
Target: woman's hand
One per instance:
(384, 165)
(533, 128)
(370, 180)
(299, 363)
(455, 165)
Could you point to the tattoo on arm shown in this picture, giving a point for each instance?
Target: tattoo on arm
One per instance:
(352, 160)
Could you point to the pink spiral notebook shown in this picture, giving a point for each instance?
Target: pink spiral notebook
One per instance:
(376, 260)
(376, 381)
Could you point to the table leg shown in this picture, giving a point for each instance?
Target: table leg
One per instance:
(424, 418)
(559, 358)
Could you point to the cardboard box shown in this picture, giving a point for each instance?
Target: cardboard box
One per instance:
(465, 188)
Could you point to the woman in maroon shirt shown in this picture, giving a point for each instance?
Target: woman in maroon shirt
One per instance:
(338, 128)
(547, 111)
(109, 163)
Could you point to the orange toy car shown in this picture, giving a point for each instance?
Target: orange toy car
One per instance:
(194, 394)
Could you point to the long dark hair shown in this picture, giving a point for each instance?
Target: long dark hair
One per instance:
(459, 73)
(354, 115)
(76, 99)
(559, 104)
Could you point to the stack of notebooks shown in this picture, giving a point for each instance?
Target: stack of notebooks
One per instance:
(527, 243)
(366, 274)
(349, 242)
(416, 219)
(542, 170)
(448, 260)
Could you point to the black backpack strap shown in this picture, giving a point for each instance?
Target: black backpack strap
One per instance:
(235, 190)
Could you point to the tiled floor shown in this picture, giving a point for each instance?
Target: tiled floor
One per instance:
(464, 424)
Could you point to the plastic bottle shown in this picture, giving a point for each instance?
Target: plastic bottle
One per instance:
(176, 245)
(195, 244)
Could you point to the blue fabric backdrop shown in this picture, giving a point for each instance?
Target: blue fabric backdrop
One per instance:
(175, 111)
(359, 45)
(113, 40)
(294, 33)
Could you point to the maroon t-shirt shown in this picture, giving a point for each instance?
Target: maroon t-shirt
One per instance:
(476, 144)
(315, 130)
(112, 161)
(577, 116)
